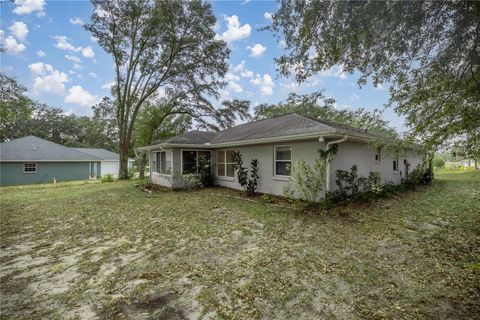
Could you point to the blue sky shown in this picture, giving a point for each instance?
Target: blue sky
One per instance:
(61, 64)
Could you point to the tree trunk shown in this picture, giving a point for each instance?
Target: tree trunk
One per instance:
(476, 164)
(123, 168)
(142, 161)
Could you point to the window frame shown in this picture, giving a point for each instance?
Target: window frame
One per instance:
(225, 163)
(196, 158)
(378, 152)
(30, 163)
(275, 161)
(396, 165)
(157, 160)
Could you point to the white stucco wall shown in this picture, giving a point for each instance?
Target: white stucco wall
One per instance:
(268, 183)
(363, 155)
(349, 153)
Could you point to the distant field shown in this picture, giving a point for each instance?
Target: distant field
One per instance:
(108, 250)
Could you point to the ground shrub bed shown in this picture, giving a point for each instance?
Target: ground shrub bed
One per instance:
(113, 250)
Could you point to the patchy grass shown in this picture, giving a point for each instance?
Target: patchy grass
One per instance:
(79, 250)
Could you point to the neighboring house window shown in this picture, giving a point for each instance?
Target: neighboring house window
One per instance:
(29, 168)
(395, 163)
(191, 159)
(225, 163)
(283, 160)
(378, 155)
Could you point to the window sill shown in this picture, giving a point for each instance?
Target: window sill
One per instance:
(281, 178)
(229, 179)
(378, 162)
(396, 172)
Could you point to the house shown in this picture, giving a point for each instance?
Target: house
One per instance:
(30, 160)
(277, 143)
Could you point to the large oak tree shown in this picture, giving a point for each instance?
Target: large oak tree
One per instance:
(429, 51)
(158, 47)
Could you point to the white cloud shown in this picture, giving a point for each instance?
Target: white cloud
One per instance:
(40, 53)
(29, 6)
(265, 83)
(108, 85)
(268, 15)
(234, 30)
(77, 66)
(19, 30)
(62, 43)
(12, 46)
(72, 58)
(232, 85)
(354, 97)
(244, 73)
(336, 72)
(76, 21)
(216, 26)
(231, 77)
(379, 87)
(77, 95)
(93, 39)
(257, 50)
(87, 52)
(93, 75)
(48, 79)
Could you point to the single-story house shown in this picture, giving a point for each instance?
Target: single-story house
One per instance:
(30, 160)
(277, 143)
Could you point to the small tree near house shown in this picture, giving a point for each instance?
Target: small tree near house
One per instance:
(249, 184)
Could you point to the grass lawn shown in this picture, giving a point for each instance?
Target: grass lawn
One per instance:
(109, 250)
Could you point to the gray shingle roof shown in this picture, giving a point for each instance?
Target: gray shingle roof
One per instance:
(31, 148)
(100, 153)
(192, 137)
(286, 125)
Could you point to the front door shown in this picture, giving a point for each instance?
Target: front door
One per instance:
(93, 170)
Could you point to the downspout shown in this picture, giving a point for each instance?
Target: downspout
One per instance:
(327, 146)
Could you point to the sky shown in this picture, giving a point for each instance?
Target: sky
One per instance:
(62, 65)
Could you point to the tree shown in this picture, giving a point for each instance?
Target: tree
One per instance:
(168, 45)
(15, 106)
(428, 51)
(165, 118)
(317, 106)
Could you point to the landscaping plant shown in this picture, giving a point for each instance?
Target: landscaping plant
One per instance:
(248, 184)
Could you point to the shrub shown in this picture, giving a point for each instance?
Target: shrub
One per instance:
(438, 162)
(248, 184)
(107, 178)
(192, 181)
(205, 171)
(308, 181)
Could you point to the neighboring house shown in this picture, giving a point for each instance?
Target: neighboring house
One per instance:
(277, 143)
(30, 160)
(110, 160)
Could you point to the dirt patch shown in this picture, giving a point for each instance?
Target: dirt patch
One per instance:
(155, 307)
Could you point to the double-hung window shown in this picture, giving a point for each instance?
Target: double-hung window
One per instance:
(283, 160)
(225, 163)
(29, 168)
(194, 161)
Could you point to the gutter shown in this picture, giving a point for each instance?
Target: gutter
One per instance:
(327, 147)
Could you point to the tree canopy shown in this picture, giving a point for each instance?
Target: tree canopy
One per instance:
(317, 106)
(163, 47)
(427, 50)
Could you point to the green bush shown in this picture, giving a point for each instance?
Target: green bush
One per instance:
(192, 181)
(438, 162)
(248, 184)
(107, 178)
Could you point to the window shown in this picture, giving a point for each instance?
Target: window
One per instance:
(29, 168)
(283, 160)
(194, 161)
(395, 162)
(378, 155)
(225, 163)
(160, 162)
